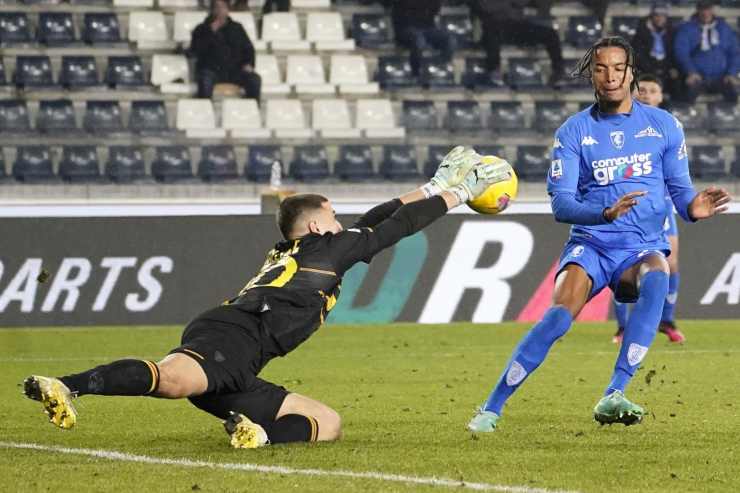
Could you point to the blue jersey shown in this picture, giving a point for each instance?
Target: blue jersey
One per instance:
(598, 157)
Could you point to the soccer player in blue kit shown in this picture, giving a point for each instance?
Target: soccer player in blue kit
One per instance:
(612, 165)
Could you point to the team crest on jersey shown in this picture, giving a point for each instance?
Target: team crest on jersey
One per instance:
(648, 132)
(588, 141)
(617, 138)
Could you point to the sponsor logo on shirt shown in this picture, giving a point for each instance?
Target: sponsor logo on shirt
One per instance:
(682, 151)
(556, 169)
(588, 141)
(617, 138)
(577, 251)
(622, 167)
(648, 132)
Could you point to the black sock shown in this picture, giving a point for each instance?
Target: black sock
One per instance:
(122, 377)
(293, 428)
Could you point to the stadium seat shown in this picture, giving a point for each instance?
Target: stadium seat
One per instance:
(549, 115)
(56, 117)
(326, 31)
(33, 164)
(217, 163)
(436, 72)
(310, 4)
(287, 119)
(171, 73)
(394, 72)
(14, 28)
(692, 117)
(134, 3)
(55, 28)
(103, 117)
(507, 117)
(476, 75)
(184, 23)
(125, 164)
(246, 19)
(375, 117)
(724, 118)
(172, 164)
(79, 164)
(463, 116)
(707, 162)
(399, 163)
(197, 119)
(3, 173)
(331, 118)
(33, 71)
(148, 117)
(525, 74)
(282, 31)
(349, 73)
(272, 81)
(583, 31)
(491, 150)
(125, 71)
(260, 160)
(101, 28)
(435, 155)
(735, 168)
(420, 115)
(179, 4)
(371, 30)
(533, 162)
(575, 83)
(242, 119)
(459, 26)
(148, 30)
(355, 163)
(14, 116)
(3, 79)
(306, 74)
(625, 26)
(78, 71)
(310, 163)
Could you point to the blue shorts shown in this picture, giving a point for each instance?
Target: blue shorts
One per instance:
(604, 267)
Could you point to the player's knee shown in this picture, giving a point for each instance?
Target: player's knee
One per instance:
(330, 425)
(171, 385)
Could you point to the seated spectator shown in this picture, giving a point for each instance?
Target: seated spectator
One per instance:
(504, 21)
(653, 43)
(223, 53)
(706, 51)
(416, 29)
(649, 90)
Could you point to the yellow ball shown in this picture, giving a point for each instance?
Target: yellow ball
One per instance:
(496, 198)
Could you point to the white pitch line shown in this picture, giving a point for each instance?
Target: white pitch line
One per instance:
(396, 478)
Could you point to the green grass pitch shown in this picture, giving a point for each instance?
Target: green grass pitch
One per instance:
(405, 393)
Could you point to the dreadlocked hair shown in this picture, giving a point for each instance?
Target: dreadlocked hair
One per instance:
(583, 69)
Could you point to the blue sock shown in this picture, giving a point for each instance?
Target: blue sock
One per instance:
(670, 300)
(529, 355)
(641, 328)
(621, 310)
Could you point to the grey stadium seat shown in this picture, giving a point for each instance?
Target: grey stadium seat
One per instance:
(79, 164)
(33, 164)
(14, 116)
(56, 116)
(217, 163)
(103, 117)
(172, 164)
(125, 164)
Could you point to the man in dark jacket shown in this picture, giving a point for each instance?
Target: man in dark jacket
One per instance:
(416, 29)
(653, 44)
(706, 50)
(224, 53)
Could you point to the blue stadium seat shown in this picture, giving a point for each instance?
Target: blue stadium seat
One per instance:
(525, 74)
(3, 79)
(724, 118)
(583, 31)
(147, 117)
(435, 72)
(463, 116)
(574, 83)
(507, 117)
(14, 28)
(435, 155)
(420, 115)
(217, 163)
(371, 30)
(395, 72)
(399, 162)
(355, 163)
(33, 164)
(125, 71)
(691, 116)
(33, 71)
(460, 26)
(78, 71)
(310, 163)
(3, 173)
(55, 28)
(476, 75)
(532, 162)
(101, 28)
(625, 25)
(14, 116)
(125, 164)
(549, 115)
(103, 117)
(79, 164)
(56, 116)
(707, 162)
(172, 164)
(260, 160)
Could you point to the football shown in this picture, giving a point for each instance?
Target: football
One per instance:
(497, 197)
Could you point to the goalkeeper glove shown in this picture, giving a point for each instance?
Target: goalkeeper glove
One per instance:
(452, 170)
(492, 170)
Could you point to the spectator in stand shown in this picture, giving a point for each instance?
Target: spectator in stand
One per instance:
(653, 44)
(707, 53)
(416, 29)
(504, 22)
(223, 53)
